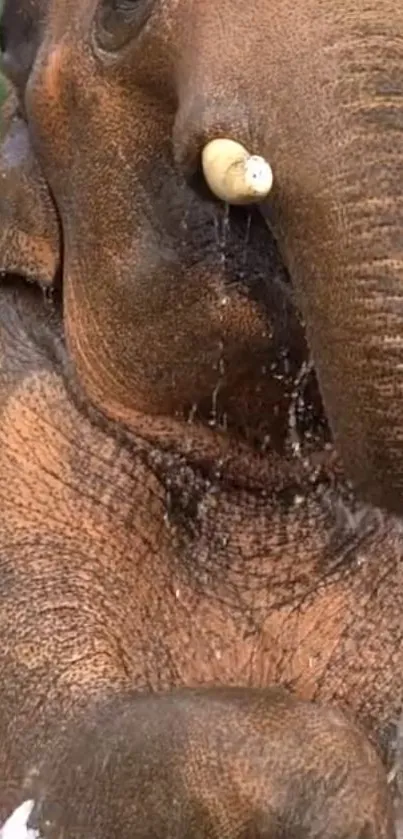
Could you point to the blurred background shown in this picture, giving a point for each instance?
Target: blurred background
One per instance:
(1, 81)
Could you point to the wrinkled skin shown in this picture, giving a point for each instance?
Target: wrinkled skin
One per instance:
(173, 512)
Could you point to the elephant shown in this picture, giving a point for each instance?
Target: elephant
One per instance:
(201, 587)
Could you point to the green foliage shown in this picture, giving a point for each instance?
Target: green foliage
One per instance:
(2, 90)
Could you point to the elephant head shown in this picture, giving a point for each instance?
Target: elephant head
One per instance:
(117, 100)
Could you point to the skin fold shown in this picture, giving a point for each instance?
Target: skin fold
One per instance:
(186, 391)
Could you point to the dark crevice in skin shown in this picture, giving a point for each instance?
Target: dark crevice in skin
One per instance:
(187, 481)
(253, 266)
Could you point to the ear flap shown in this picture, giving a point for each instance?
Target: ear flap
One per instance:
(29, 230)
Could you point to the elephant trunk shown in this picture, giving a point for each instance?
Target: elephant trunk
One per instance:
(343, 245)
(338, 214)
(331, 128)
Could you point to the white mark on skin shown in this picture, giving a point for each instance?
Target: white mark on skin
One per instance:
(296, 404)
(16, 825)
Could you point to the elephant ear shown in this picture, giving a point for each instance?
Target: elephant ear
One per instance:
(29, 230)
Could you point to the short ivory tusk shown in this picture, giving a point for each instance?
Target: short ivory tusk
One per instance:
(234, 175)
(16, 825)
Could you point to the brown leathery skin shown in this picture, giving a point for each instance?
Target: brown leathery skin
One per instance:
(122, 567)
(250, 741)
(159, 526)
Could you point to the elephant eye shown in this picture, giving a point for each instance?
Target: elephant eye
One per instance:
(118, 21)
(125, 5)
